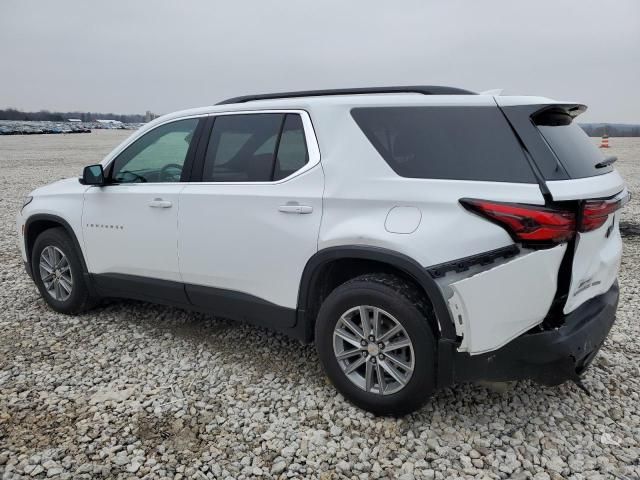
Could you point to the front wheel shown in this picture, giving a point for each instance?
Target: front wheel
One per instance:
(57, 271)
(376, 345)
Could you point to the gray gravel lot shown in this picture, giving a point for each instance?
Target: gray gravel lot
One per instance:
(137, 390)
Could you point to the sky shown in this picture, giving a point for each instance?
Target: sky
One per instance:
(126, 56)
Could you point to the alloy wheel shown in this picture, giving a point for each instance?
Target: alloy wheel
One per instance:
(55, 272)
(373, 350)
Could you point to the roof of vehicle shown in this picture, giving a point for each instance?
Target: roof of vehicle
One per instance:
(352, 98)
(349, 98)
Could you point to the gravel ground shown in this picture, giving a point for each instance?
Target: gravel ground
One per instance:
(136, 390)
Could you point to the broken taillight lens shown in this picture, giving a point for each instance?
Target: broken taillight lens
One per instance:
(527, 223)
(596, 212)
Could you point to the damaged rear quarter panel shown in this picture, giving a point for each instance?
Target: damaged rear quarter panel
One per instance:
(493, 307)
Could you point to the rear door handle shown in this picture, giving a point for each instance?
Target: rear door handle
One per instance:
(160, 203)
(301, 209)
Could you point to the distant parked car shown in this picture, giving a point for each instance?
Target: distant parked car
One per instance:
(420, 236)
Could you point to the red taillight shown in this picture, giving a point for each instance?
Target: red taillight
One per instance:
(527, 223)
(596, 212)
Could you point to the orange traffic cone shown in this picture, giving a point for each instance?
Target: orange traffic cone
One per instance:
(605, 141)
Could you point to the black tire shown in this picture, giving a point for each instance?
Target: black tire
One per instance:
(411, 310)
(79, 299)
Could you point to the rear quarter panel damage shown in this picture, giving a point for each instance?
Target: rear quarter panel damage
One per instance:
(493, 307)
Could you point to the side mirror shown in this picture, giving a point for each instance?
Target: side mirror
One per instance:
(93, 175)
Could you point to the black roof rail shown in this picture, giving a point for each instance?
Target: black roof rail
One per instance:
(422, 89)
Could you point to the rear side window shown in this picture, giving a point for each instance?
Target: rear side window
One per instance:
(454, 143)
(576, 152)
(255, 148)
(292, 149)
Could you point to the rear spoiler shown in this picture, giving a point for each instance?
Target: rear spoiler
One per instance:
(557, 114)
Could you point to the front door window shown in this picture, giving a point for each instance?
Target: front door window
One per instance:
(158, 156)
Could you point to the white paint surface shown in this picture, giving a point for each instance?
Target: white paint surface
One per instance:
(497, 305)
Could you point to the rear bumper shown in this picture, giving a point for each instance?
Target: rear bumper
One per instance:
(548, 357)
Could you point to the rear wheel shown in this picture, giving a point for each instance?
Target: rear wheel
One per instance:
(57, 271)
(374, 341)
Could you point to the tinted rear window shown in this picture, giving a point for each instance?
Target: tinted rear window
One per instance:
(572, 146)
(457, 143)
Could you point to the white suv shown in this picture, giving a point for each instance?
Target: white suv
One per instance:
(420, 236)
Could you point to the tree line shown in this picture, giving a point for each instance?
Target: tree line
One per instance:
(45, 115)
(611, 129)
(592, 129)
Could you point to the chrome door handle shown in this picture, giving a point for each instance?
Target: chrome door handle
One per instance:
(301, 209)
(160, 203)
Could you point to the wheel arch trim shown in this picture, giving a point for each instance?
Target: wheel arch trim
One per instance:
(61, 222)
(394, 259)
